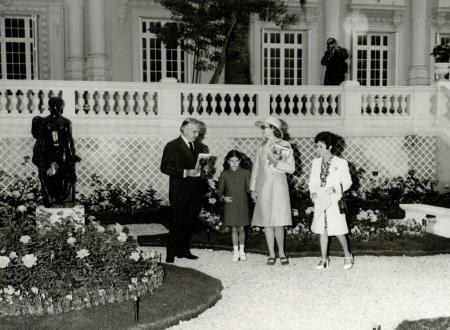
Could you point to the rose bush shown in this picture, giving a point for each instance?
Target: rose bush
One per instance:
(68, 266)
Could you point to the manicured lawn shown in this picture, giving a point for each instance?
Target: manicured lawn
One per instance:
(411, 246)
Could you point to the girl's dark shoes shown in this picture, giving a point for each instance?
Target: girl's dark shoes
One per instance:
(271, 261)
(284, 261)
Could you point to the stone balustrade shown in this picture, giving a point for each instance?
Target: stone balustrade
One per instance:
(155, 109)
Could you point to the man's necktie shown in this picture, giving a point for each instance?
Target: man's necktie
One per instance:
(191, 148)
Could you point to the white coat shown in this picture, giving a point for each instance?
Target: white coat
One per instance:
(273, 206)
(338, 177)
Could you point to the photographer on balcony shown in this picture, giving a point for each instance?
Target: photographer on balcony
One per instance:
(334, 60)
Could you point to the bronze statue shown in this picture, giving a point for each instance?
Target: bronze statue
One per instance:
(54, 155)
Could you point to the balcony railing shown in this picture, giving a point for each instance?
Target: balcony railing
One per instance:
(142, 109)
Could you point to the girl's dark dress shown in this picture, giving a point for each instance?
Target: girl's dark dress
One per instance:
(235, 184)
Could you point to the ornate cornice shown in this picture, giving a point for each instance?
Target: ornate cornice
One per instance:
(122, 11)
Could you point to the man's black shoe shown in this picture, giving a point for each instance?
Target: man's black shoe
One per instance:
(170, 259)
(189, 256)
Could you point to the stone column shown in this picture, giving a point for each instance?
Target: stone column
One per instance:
(332, 10)
(75, 45)
(418, 71)
(96, 64)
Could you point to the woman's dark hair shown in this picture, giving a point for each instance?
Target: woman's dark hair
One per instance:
(327, 138)
(276, 132)
(245, 161)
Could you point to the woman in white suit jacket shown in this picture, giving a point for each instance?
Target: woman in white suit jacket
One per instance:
(329, 178)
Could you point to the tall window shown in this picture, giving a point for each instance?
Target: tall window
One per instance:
(372, 56)
(282, 58)
(18, 47)
(157, 60)
(443, 38)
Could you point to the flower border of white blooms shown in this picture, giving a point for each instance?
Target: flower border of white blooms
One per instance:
(22, 300)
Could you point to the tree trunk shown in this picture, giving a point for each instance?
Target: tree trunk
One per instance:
(237, 56)
(221, 62)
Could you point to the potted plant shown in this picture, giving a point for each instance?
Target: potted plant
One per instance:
(441, 54)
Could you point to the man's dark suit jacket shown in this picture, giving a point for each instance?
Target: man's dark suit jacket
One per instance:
(176, 158)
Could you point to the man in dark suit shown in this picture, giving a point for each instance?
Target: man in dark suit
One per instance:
(185, 187)
(334, 60)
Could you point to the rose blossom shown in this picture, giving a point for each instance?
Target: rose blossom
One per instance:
(34, 290)
(25, 239)
(29, 260)
(21, 208)
(122, 237)
(69, 297)
(134, 280)
(10, 290)
(135, 256)
(309, 210)
(100, 229)
(212, 201)
(294, 212)
(71, 240)
(13, 255)
(82, 253)
(118, 228)
(4, 261)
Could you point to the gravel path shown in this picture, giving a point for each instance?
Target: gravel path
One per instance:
(377, 291)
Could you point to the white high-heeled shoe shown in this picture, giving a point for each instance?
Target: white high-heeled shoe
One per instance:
(348, 262)
(242, 256)
(323, 263)
(235, 257)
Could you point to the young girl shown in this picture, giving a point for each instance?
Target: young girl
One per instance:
(233, 189)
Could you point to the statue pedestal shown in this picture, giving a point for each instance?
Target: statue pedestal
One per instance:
(56, 215)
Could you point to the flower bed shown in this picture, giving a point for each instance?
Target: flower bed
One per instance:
(69, 266)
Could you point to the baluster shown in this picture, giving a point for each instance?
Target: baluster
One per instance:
(21, 104)
(241, 104)
(13, 104)
(316, 103)
(204, 103)
(363, 105)
(44, 100)
(223, 103)
(195, 102)
(233, 105)
(90, 96)
(151, 103)
(325, 104)
(396, 104)
(283, 104)
(251, 104)
(308, 105)
(273, 103)
(3, 101)
(139, 103)
(333, 104)
(213, 103)
(291, 103)
(404, 104)
(388, 104)
(372, 104)
(34, 96)
(101, 102)
(186, 102)
(120, 103)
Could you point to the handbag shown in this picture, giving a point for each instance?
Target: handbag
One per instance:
(341, 203)
(342, 206)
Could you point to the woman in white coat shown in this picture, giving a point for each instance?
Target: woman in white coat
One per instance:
(329, 178)
(269, 188)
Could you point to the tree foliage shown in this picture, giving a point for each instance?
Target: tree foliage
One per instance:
(203, 27)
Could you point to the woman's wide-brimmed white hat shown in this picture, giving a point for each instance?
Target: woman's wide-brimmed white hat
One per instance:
(270, 121)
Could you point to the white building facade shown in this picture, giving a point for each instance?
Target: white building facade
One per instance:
(389, 41)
